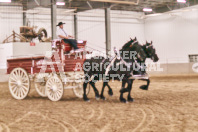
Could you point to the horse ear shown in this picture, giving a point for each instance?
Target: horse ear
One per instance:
(135, 38)
(151, 42)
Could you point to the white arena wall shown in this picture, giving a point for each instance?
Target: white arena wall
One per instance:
(11, 18)
(174, 34)
(169, 31)
(91, 24)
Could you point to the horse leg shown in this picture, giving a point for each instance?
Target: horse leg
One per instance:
(85, 87)
(130, 83)
(122, 91)
(145, 87)
(101, 95)
(92, 83)
(110, 92)
(84, 90)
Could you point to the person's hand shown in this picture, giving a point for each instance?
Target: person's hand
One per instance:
(71, 36)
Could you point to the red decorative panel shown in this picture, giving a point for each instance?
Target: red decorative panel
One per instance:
(25, 63)
(72, 62)
(47, 65)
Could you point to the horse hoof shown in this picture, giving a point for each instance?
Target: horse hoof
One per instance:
(144, 87)
(103, 98)
(97, 98)
(130, 99)
(110, 93)
(87, 100)
(123, 100)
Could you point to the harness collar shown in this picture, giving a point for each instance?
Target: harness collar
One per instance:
(122, 61)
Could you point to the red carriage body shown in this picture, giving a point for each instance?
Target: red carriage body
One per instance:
(66, 63)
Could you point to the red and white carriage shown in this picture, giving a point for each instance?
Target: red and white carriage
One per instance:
(51, 74)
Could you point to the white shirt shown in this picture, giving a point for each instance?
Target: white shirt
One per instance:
(62, 32)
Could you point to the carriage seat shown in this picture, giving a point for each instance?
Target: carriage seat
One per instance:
(58, 44)
(67, 47)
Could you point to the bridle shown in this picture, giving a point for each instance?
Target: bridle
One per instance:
(150, 55)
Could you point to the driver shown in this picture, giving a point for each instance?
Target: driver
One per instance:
(62, 34)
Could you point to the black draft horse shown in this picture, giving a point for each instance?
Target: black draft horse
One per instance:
(150, 53)
(116, 68)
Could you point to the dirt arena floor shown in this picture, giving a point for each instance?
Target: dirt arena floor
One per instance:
(170, 105)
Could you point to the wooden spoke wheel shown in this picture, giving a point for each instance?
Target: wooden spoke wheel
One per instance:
(79, 90)
(39, 83)
(19, 83)
(54, 88)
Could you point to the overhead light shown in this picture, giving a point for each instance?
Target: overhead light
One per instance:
(147, 10)
(8, 1)
(60, 3)
(181, 1)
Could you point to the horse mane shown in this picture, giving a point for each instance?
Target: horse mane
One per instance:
(126, 45)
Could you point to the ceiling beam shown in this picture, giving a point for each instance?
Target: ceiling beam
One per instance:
(118, 2)
(95, 5)
(161, 9)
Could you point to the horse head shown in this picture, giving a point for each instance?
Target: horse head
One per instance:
(150, 51)
(132, 47)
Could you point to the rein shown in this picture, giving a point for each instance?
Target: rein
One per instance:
(134, 42)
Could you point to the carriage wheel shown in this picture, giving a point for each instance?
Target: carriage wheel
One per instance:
(79, 90)
(39, 83)
(19, 83)
(54, 88)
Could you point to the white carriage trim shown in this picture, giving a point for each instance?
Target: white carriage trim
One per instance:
(121, 62)
(32, 70)
(108, 67)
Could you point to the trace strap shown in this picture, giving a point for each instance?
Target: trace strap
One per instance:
(117, 56)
